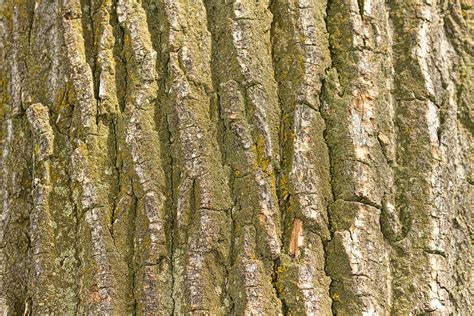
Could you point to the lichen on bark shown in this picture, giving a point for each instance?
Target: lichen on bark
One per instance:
(255, 157)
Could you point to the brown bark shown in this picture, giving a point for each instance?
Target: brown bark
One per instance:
(247, 157)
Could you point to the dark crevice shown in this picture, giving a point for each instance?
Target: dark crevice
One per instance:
(88, 30)
(162, 115)
(222, 130)
(77, 224)
(284, 307)
(172, 213)
(327, 243)
(31, 17)
(121, 84)
(360, 5)
(281, 170)
(361, 200)
(120, 60)
(117, 171)
(132, 262)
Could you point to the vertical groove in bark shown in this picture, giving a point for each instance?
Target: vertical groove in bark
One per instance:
(236, 157)
(109, 68)
(202, 196)
(153, 279)
(91, 166)
(14, 235)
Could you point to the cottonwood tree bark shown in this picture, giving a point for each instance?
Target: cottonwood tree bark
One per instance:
(249, 157)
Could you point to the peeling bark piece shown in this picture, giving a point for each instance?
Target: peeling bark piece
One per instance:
(296, 239)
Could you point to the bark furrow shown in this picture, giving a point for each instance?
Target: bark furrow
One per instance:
(248, 157)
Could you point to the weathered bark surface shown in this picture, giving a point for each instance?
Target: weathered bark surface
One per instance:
(248, 157)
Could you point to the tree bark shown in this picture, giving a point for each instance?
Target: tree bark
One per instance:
(247, 157)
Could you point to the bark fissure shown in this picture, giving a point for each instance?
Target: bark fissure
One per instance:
(239, 157)
(331, 171)
(172, 214)
(282, 193)
(132, 264)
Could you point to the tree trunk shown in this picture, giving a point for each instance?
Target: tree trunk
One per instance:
(238, 157)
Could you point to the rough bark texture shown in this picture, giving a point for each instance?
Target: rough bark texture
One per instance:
(250, 157)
